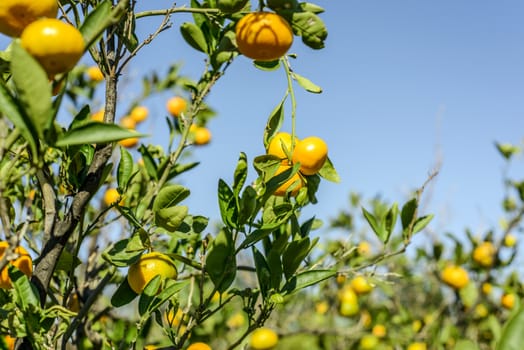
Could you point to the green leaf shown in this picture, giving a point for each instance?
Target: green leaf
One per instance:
(507, 150)
(26, 292)
(171, 218)
(263, 272)
(248, 205)
(194, 36)
(10, 108)
(95, 132)
(310, 7)
(149, 162)
(240, 174)
(101, 18)
(124, 252)
(512, 336)
(465, 344)
(408, 213)
(254, 237)
(123, 294)
(221, 261)
(309, 26)
(148, 294)
(267, 66)
(67, 262)
(293, 256)
(169, 196)
(275, 266)
(34, 89)
(306, 279)
(376, 225)
(307, 84)
(391, 219)
(125, 169)
(422, 222)
(328, 172)
(227, 204)
(274, 122)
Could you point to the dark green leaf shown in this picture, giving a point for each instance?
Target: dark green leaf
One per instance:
(274, 122)
(148, 294)
(263, 272)
(240, 174)
(293, 256)
(123, 295)
(125, 169)
(171, 218)
(227, 204)
(221, 261)
(408, 213)
(254, 237)
(267, 65)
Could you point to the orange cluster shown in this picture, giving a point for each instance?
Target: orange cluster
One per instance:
(310, 153)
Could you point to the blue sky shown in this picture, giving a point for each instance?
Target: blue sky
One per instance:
(407, 84)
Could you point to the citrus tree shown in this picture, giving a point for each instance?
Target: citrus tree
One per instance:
(99, 250)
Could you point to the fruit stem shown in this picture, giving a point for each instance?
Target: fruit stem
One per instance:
(289, 74)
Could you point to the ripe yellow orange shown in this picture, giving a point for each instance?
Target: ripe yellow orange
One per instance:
(364, 248)
(9, 342)
(379, 331)
(361, 285)
(311, 153)
(236, 320)
(417, 346)
(368, 342)
(95, 74)
(23, 262)
(277, 144)
(294, 184)
(510, 240)
(487, 288)
(455, 276)
(130, 142)
(98, 116)
(484, 254)
(263, 36)
(321, 307)
(56, 45)
(507, 300)
(200, 134)
(176, 106)
(128, 122)
(139, 113)
(199, 346)
(147, 267)
(15, 15)
(263, 339)
(348, 302)
(111, 196)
